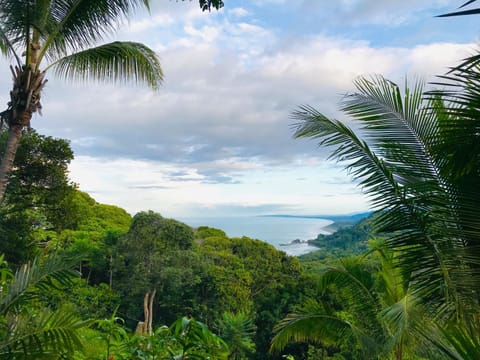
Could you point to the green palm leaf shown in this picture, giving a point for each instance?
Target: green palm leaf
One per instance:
(314, 323)
(32, 277)
(402, 319)
(458, 341)
(43, 335)
(29, 331)
(74, 25)
(399, 165)
(117, 61)
(64, 25)
(372, 172)
(6, 47)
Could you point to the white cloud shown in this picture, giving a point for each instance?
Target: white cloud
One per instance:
(206, 33)
(238, 12)
(140, 185)
(217, 133)
(149, 23)
(387, 12)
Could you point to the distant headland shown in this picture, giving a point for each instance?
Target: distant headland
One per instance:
(339, 221)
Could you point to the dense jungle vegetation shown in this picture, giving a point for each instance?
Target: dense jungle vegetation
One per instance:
(83, 280)
(238, 288)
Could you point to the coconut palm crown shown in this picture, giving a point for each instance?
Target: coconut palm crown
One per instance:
(62, 36)
(417, 156)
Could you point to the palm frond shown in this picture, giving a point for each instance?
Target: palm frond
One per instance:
(457, 150)
(117, 62)
(44, 334)
(7, 48)
(460, 342)
(459, 116)
(364, 165)
(74, 25)
(463, 12)
(17, 19)
(356, 284)
(207, 4)
(34, 276)
(314, 323)
(426, 212)
(390, 120)
(403, 320)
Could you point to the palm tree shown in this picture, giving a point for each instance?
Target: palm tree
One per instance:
(29, 331)
(417, 157)
(380, 317)
(238, 330)
(40, 35)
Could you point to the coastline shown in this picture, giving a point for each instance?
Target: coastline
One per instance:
(325, 230)
(293, 234)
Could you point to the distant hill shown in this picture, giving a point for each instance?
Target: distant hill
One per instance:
(355, 216)
(347, 240)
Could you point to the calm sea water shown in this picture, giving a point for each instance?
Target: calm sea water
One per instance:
(273, 230)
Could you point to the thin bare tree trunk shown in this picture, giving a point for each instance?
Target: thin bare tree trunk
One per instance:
(14, 135)
(110, 275)
(145, 327)
(150, 310)
(146, 314)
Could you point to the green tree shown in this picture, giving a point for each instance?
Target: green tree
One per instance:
(36, 202)
(93, 231)
(157, 253)
(58, 35)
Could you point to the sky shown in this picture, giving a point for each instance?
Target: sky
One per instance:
(216, 138)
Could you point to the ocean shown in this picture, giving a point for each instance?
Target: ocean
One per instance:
(273, 230)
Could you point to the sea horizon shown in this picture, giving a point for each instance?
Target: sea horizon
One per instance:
(275, 230)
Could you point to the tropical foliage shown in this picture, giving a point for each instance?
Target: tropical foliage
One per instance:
(414, 295)
(238, 330)
(416, 154)
(409, 165)
(369, 311)
(28, 329)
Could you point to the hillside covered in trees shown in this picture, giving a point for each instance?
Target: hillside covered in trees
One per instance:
(238, 288)
(197, 273)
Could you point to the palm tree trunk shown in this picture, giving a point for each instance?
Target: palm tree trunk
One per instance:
(24, 101)
(14, 135)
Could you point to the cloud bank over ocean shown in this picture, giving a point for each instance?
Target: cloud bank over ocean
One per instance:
(217, 136)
